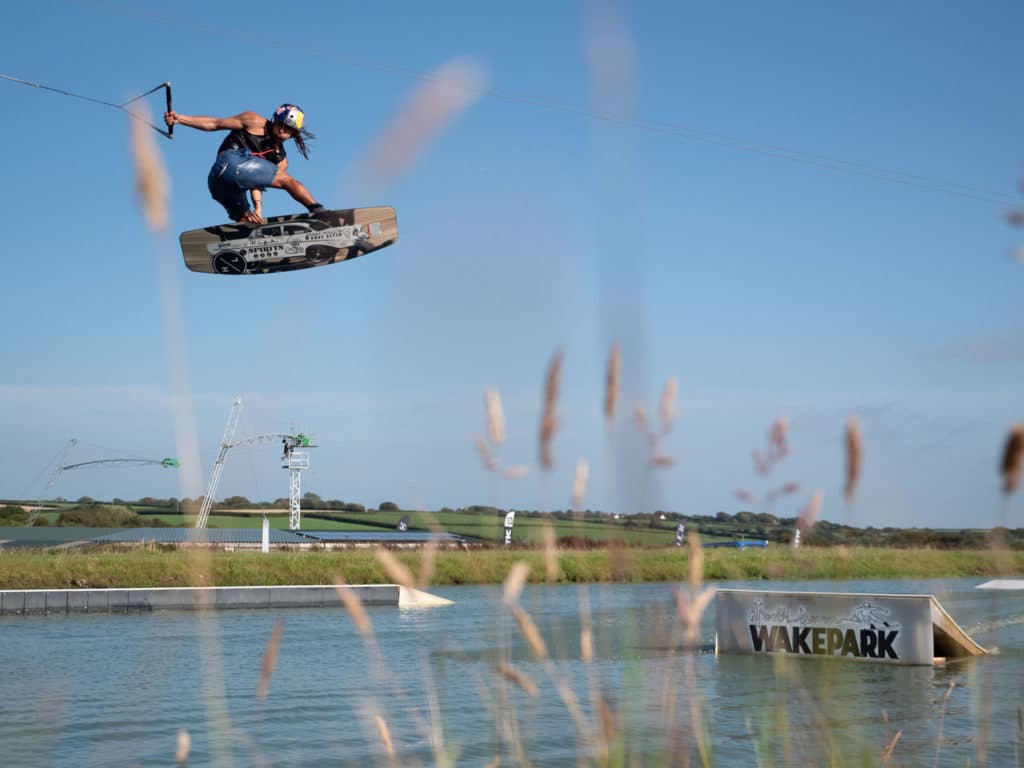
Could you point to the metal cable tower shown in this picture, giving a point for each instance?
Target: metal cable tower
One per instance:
(218, 465)
(295, 461)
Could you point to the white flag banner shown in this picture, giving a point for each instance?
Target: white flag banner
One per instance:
(510, 519)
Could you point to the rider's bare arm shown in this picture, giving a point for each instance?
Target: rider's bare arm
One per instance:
(247, 120)
(257, 203)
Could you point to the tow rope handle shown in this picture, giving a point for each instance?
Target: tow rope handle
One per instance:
(170, 128)
(169, 133)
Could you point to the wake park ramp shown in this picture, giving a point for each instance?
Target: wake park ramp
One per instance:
(887, 629)
(1007, 584)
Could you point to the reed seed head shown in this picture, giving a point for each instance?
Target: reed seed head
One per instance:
(269, 660)
(550, 552)
(745, 496)
(640, 418)
(427, 564)
(853, 457)
(394, 569)
(782, 490)
(579, 483)
(549, 421)
(690, 609)
(184, 746)
(661, 460)
(890, 747)
(514, 582)
(385, 735)
(606, 721)
(495, 417)
(611, 391)
(696, 559)
(586, 637)
(150, 177)
(531, 633)
(355, 608)
(809, 515)
(667, 410)
(524, 681)
(440, 98)
(484, 452)
(516, 471)
(777, 433)
(1013, 458)
(760, 464)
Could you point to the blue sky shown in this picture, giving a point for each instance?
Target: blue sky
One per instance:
(795, 209)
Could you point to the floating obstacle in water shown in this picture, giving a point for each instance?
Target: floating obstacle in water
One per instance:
(892, 629)
(19, 602)
(1003, 584)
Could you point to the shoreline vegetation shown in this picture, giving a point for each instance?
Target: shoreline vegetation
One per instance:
(485, 524)
(161, 567)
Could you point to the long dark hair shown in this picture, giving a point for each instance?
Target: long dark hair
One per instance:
(301, 137)
(300, 141)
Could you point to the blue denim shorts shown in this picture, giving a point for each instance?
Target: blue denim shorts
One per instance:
(233, 174)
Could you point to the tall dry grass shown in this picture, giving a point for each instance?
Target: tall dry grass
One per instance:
(443, 96)
(153, 192)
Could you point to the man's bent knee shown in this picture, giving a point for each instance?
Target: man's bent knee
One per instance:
(282, 180)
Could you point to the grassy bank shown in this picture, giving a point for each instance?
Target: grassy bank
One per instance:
(166, 568)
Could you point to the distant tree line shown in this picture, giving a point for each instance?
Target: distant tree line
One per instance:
(824, 533)
(781, 530)
(743, 524)
(90, 514)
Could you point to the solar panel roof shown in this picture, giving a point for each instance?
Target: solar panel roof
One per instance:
(200, 536)
(385, 537)
(47, 535)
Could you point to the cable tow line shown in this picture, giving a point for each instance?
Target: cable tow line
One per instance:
(169, 133)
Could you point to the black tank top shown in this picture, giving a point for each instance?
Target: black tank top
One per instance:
(262, 146)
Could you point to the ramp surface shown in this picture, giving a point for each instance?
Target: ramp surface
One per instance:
(881, 628)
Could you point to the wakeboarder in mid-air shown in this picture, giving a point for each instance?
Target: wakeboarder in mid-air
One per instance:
(252, 157)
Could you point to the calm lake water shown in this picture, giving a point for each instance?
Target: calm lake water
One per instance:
(115, 690)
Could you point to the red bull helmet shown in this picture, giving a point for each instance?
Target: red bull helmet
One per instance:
(289, 116)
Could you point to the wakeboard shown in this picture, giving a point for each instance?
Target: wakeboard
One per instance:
(286, 243)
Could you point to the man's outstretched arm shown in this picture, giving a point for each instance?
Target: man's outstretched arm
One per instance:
(206, 123)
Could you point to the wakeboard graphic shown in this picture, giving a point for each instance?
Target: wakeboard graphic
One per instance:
(286, 243)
